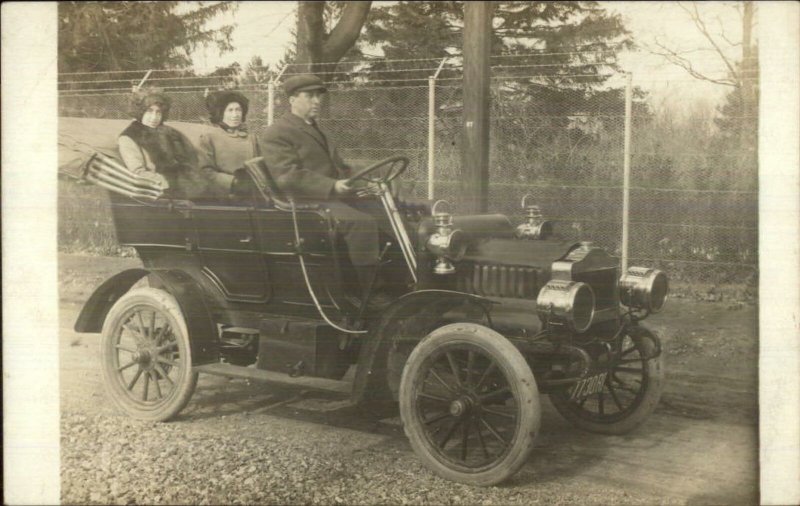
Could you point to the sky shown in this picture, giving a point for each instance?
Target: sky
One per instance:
(265, 29)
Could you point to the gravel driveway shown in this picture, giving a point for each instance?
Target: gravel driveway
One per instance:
(242, 443)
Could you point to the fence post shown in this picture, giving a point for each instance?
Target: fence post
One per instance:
(626, 169)
(141, 83)
(271, 96)
(431, 136)
(270, 102)
(432, 128)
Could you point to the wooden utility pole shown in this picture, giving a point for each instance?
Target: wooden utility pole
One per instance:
(475, 149)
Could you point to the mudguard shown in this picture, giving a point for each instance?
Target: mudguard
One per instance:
(179, 284)
(424, 306)
(99, 304)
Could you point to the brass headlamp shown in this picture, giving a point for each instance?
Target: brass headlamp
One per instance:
(535, 226)
(643, 288)
(446, 243)
(568, 304)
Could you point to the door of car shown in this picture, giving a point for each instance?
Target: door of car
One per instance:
(229, 250)
(276, 233)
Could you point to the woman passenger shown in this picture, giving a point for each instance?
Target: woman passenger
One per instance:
(150, 148)
(227, 144)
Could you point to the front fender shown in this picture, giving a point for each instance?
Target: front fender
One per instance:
(187, 292)
(99, 304)
(411, 315)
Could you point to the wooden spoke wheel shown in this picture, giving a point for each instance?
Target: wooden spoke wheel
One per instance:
(469, 404)
(146, 355)
(630, 393)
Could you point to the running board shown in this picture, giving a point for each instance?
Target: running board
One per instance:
(307, 382)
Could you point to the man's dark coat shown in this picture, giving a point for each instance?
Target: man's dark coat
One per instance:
(300, 158)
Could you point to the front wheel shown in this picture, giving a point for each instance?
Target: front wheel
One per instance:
(469, 404)
(146, 355)
(630, 393)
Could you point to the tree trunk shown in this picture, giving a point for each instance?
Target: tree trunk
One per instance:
(748, 80)
(310, 31)
(315, 46)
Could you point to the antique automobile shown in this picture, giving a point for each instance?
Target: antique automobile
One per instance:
(485, 316)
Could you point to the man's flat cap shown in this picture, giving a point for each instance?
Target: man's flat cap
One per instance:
(303, 82)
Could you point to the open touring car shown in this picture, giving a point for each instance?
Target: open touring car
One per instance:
(260, 287)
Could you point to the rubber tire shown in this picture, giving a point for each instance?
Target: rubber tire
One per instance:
(520, 377)
(652, 395)
(186, 382)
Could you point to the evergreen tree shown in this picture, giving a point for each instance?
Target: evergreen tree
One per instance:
(551, 62)
(118, 36)
(573, 44)
(256, 74)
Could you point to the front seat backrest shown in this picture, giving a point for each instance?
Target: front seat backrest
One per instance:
(258, 170)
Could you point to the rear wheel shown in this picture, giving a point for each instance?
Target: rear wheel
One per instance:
(146, 355)
(629, 395)
(469, 404)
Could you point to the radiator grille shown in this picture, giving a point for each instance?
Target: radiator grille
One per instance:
(499, 281)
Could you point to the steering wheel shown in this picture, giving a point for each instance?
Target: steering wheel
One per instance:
(397, 165)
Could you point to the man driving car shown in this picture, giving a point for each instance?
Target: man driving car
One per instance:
(307, 167)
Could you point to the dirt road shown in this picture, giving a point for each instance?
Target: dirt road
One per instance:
(250, 443)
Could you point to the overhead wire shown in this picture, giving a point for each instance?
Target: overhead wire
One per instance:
(355, 80)
(279, 23)
(670, 76)
(351, 62)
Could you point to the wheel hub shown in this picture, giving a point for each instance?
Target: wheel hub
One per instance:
(461, 407)
(143, 357)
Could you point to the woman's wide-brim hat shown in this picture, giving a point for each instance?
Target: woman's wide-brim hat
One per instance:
(141, 100)
(217, 101)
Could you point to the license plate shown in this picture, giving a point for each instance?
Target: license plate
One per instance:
(588, 386)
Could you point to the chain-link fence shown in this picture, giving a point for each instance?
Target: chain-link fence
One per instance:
(693, 209)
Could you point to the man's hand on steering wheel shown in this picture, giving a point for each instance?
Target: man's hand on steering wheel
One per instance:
(347, 187)
(343, 187)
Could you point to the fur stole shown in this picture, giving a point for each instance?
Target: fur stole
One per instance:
(174, 157)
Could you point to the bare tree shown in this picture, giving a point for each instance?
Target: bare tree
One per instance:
(316, 45)
(719, 43)
(749, 67)
(742, 74)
